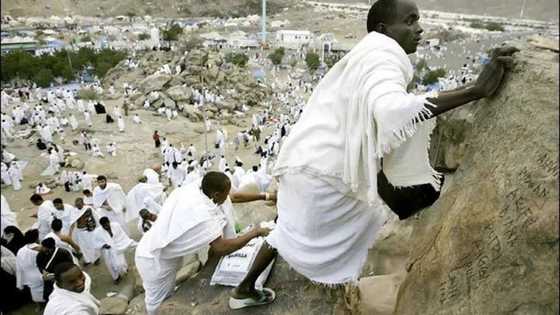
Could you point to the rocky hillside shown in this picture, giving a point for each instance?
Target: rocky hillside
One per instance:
(166, 8)
(490, 244)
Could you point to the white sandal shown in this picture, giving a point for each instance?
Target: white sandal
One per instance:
(267, 296)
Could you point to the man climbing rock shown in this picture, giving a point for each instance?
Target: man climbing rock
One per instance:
(329, 209)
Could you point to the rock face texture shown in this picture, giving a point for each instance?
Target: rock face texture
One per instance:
(490, 244)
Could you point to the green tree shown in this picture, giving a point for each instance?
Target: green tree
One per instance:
(172, 33)
(238, 59)
(277, 55)
(43, 78)
(143, 36)
(312, 60)
(432, 76)
(421, 65)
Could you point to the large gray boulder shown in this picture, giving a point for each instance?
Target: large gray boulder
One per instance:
(180, 93)
(155, 82)
(490, 244)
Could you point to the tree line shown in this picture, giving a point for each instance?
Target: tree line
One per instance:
(64, 64)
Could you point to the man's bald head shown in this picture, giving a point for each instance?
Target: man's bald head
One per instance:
(398, 19)
(156, 167)
(382, 11)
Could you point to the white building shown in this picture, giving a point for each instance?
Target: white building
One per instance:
(214, 40)
(292, 39)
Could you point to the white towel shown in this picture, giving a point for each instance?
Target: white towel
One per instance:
(188, 221)
(65, 302)
(359, 113)
(140, 196)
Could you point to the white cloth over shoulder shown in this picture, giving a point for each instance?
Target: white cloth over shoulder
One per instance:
(359, 113)
(27, 273)
(151, 176)
(188, 222)
(8, 216)
(65, 302)
(143, 195)
(113, 194)
(329, 211)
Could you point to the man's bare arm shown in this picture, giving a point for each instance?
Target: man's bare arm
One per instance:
(486, 85)
(240, 197)
(223, 247)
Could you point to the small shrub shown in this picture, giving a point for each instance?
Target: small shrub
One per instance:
(312, 60)
(277, 55)
(144, 36)
(432, 76)
(238, 59)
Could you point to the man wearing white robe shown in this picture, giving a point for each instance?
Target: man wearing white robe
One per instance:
(87, 181)
(96, 151)
(176, 175)
(141, 196)
(62, 240)
(112, 149)
(110, 200)
(191, 219)
(329, 210)
(8, 217)
(191, 151)
(73, 122)
(120, 123)
(136, 119)
(6, 179)
(84, 231)
(46, 133)
(27, 272)
(222, 165)
(116, 242)
(45, 214)
(87, 118)
(71, 294)
(152, 174)
(15, 175)
(54, 162)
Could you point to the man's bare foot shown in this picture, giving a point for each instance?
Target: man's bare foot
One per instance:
(239, 293)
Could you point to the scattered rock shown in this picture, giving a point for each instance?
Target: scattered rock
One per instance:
(154, 82)
(180, 93)
(77, 163)
(490, 243)
(114, 305)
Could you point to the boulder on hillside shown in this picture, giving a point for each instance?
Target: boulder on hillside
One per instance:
(180, 93)
(167, 102)
(490, 244)
(154, 82)
(139, 102)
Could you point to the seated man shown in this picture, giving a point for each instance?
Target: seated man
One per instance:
(71, 293)
(192, 218)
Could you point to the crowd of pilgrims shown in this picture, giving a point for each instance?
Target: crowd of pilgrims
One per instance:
(95, 225)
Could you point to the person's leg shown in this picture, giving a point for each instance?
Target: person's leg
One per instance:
(246, 288)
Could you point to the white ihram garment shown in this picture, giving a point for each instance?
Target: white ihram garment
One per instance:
(65, 302)
(188, 223)
(8, 217)
(142, 196)
(114, 257)
(114, 195)
(329, 211)
(27, 273)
